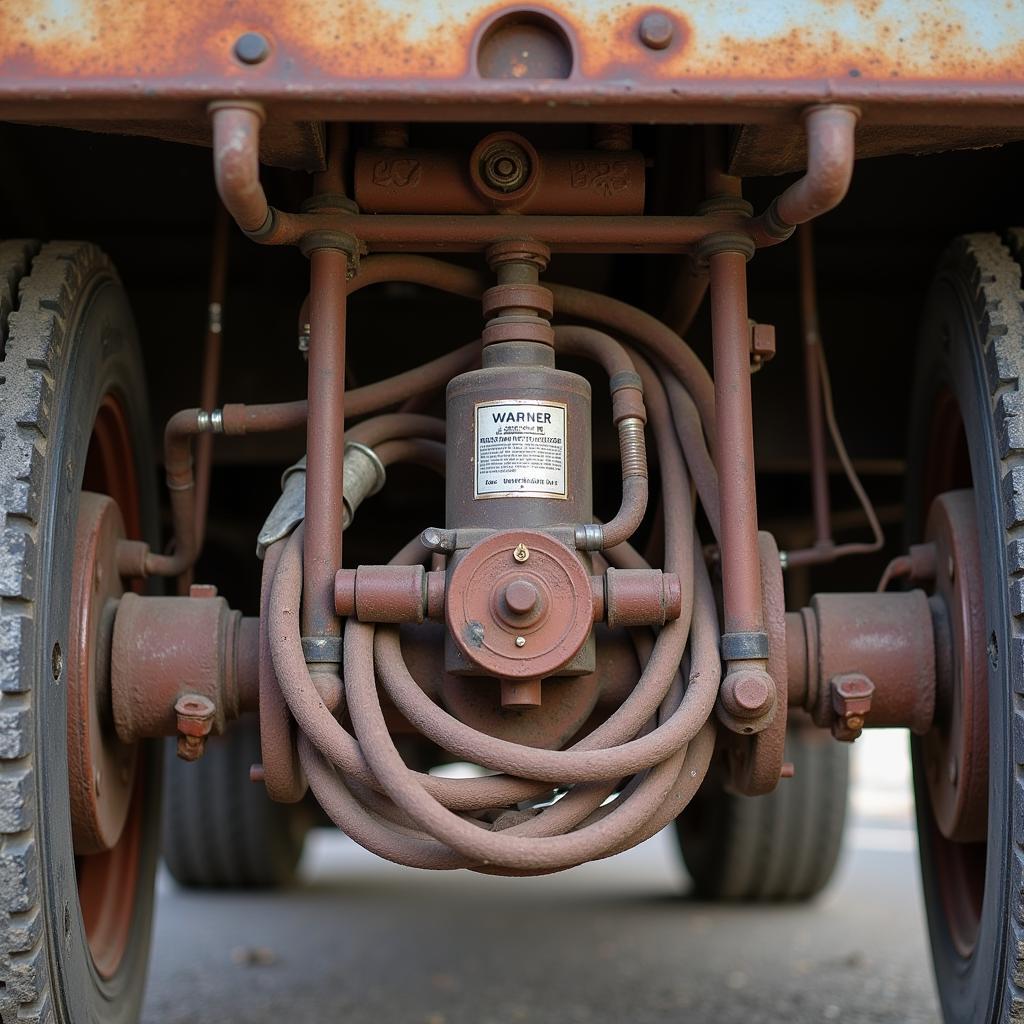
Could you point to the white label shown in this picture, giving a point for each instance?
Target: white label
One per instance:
(520, 449)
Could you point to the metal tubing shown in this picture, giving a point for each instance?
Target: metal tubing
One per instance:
(812, 387)
(477, 233)
(325, 443)
(210, 379)
(831, 131)
(236, 163)
(734, 450)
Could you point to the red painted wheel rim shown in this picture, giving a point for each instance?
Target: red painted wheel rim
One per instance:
(959, 867)
(108, 882)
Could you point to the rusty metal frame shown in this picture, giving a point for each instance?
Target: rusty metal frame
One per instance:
(920, 61)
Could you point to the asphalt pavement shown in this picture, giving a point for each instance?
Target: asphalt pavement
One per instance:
(617, 942)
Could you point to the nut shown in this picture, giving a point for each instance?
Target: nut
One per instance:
(195, 721)
(851, 702)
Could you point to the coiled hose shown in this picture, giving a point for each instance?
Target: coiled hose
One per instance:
(620, 783)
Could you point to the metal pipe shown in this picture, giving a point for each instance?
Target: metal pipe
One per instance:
(236, 163)
(831, 151)
(325, 444)
(210, 379)
(629, 414)
(812, 388)
(477, 233)
(734, 450)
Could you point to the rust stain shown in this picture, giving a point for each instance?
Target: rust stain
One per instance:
(366, 52)
(397, 39)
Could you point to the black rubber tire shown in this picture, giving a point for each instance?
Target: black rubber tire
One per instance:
(972, 345)
(68, 339)
(221, 830)
(780, 847)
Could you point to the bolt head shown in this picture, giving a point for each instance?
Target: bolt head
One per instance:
(748, 693)
(521, 597)
(854, 722)
(521, 553)
(520, 641)
(656, 30)
(252, 48)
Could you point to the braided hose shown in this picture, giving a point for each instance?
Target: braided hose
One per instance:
(618, 785)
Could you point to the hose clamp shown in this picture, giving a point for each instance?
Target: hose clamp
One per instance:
(321, 650)
(748, 646)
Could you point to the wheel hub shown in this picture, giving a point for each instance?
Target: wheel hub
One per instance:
(956, 749)
(101, 769)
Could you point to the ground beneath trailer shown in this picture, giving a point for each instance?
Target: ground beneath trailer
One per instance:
(362, 941)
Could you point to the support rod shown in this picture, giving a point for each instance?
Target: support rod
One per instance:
(325, 444)
(734, 449)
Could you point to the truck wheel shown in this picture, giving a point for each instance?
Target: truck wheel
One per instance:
(782, 846)
(967, 431)
(221, 830)
(79, 812)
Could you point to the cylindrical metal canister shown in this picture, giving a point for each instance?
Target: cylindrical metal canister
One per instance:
(518, 449)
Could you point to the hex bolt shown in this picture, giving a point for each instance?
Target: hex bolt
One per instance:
(521, 552)
(656, 30)
(195, 722)
(252, 48)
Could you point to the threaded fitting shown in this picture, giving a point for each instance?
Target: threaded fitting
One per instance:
(632, 448)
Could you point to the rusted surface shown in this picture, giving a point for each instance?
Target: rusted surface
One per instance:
(382, 593)
(641, 597)
(406, 59)
(325, 439)
(556, 182)
(956, 752)
(851, 702)
(101, 768)
(167, 648)
(107, 879)
(497, 636)
(888, 638)
(755, 761)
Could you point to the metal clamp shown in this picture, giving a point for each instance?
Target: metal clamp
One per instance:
(321, 650)
(751, 646)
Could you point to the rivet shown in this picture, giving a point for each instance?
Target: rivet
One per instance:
(521, 552)
(252, 48)
(520, 641)
(656, 30)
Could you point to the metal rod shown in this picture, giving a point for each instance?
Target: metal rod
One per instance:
(325, 445)
(734, 447)
(812, 384)
(210, 380)
(477, 233)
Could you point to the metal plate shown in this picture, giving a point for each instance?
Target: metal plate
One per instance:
(952, 61)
